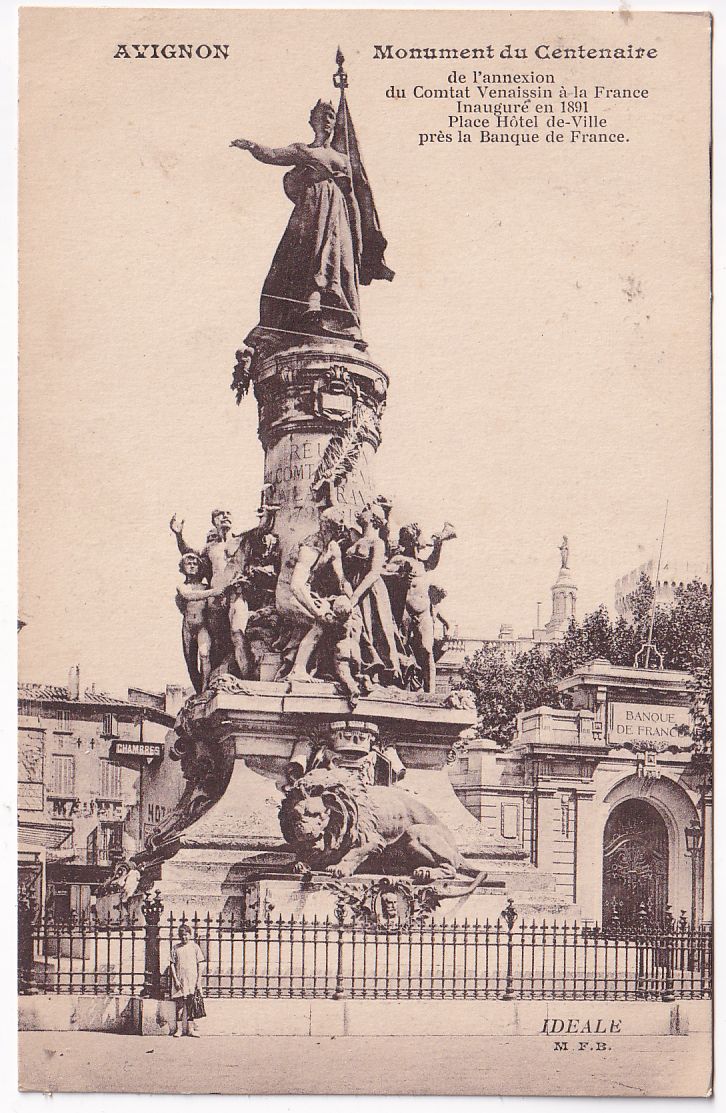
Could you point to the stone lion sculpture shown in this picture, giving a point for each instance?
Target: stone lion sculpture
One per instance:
(337, 824)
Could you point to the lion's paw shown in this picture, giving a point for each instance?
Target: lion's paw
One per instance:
(434, 873)
(300, 867)
(339, 871)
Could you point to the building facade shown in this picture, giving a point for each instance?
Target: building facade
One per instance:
(81, 756)
(611, 800)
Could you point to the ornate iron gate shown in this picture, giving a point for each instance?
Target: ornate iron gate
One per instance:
(635, 864)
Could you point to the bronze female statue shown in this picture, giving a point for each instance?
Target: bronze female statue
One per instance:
(364, 562)
(312, 285)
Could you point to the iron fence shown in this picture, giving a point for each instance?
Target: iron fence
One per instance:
(334, 958)
(87, 956)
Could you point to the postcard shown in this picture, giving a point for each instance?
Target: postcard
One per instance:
(365, 683)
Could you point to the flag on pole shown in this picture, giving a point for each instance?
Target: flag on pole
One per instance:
(372, 241)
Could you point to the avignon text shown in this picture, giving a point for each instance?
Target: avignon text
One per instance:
(168, 51)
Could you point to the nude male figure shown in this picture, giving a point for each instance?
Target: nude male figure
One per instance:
(192, 598)
(226, 618)
(297, 601)
(417, 619)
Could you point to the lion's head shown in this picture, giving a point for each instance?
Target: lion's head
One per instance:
(324, 814)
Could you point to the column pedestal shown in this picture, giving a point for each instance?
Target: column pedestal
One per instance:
(232, 858)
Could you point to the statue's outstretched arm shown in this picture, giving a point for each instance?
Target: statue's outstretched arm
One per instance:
(276, 156)
(432, 560)
(445, 624)
(177, 528)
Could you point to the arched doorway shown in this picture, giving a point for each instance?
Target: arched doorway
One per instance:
(635, 863)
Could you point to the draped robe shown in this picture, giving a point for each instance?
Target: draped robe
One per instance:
(319, 254)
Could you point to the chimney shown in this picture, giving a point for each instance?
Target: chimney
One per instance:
(175, 696)
(74, 682)
(506, 632)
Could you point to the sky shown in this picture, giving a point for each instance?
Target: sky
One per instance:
(546, 334)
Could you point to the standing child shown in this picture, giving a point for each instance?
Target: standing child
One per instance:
(187, 963)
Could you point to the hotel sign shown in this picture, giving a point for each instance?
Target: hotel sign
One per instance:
(138, 749)
(648, 726)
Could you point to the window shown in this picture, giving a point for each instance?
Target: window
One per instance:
(110, 726)
(510, 821)
(110, 787)
(63, 717)
(111, 838)
(64, 775)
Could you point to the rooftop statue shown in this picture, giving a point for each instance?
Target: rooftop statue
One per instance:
(333, 241)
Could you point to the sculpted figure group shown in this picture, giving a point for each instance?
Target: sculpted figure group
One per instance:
(347, 604)
(232, 578)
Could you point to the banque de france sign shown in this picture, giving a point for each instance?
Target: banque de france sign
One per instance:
(648, 726)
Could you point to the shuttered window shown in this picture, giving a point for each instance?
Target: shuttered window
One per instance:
(64, 775)
(110, 787)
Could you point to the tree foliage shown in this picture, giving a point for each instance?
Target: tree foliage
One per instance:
(503, 686)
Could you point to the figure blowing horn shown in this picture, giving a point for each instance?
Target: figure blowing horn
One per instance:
(446, 533)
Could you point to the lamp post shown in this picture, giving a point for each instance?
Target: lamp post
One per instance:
(694, 842)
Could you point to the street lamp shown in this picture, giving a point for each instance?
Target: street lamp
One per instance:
(694, 842)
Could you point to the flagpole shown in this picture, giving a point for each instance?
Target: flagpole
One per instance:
(340, 81)
(655, 590)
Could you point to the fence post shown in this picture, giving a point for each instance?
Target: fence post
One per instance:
(681, 932)
(669, 955)
(152, 910)
(339, 915)
(641, 951)
(27, 913)
(509, 915)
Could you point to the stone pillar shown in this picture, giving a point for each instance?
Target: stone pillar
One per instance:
(27, 918)
(707, 853)
(152, 909)
(588, 856)
(564, 603)
(320, 406)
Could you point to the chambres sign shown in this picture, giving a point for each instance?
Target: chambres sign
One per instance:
(649, 725)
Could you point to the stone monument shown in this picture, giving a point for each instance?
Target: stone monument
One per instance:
(315, 747)
(564, 596)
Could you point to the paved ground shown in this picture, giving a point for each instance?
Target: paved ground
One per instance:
(633, 1066)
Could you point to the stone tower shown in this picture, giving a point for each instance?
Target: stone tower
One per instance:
(564, 598)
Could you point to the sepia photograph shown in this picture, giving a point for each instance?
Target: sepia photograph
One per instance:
(365, 564)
